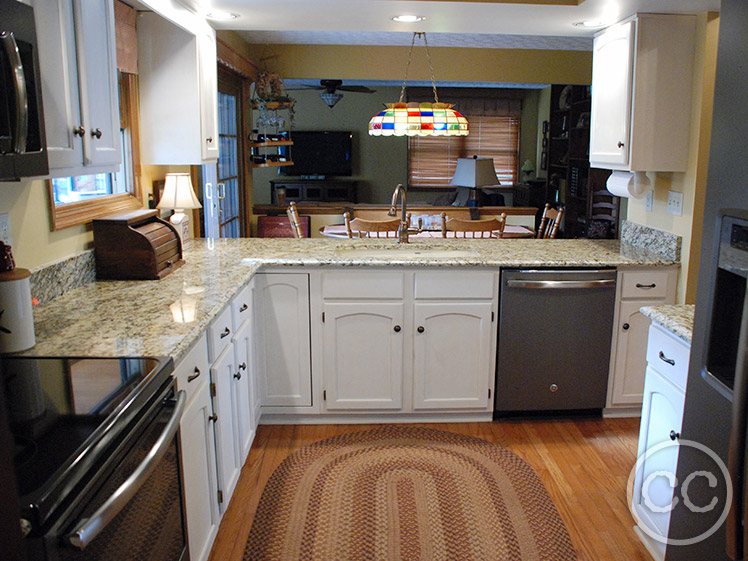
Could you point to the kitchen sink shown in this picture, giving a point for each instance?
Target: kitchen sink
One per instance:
(398, 253)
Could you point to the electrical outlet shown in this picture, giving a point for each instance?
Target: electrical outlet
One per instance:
(5, 228)
(675, 203)
(648, 200)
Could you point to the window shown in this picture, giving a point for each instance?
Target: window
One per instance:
(432, 159)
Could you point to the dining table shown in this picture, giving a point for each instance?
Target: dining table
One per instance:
(510, 231)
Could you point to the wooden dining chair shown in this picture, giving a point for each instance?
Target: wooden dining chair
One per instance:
(361, 228)
(476, 228)
(293, 217)
(550, 221)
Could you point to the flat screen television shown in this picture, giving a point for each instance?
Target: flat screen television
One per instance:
(327, 153)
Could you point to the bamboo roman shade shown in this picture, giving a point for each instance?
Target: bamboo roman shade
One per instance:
(494, 133)
(127, 38)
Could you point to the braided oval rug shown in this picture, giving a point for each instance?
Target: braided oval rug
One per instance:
(405, 493)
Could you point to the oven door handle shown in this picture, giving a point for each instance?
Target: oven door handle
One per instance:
(87, 529)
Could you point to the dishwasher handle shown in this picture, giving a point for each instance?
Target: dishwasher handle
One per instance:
(559, 284)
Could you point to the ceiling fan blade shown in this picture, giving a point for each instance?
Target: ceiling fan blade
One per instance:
(357, 89)
(306, 88)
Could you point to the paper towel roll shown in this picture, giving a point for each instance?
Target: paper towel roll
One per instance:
(627, 184)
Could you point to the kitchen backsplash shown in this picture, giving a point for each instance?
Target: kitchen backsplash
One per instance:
(55, 279)
(646, 237)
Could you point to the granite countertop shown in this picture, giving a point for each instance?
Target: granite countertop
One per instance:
(134, 318)
(676, 318)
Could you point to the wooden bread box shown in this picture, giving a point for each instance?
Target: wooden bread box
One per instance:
(135, 245)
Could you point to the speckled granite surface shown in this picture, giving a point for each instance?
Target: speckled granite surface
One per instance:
(652, 239)
(133, 318)
(55, 279)
(678, 318)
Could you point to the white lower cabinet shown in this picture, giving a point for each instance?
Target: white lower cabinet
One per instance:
(662, 415)
(363, 355)
(243, 400)
(198, 455)
(452, 355)
(283, 348)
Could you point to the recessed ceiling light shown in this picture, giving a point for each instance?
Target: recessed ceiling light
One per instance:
(408, 19)
(220, 15)
(591, 23)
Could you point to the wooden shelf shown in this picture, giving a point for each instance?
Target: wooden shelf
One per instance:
(271, 143)
(272, 164)
(272, 105)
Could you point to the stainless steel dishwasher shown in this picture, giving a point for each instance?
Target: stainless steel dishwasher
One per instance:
(555, 330)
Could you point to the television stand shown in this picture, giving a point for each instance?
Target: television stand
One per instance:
(298, 190)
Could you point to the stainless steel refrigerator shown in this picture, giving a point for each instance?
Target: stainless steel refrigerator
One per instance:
(708, 525)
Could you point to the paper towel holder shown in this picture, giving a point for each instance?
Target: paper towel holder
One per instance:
(629, 184)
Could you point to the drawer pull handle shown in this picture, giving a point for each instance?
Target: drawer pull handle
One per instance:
(397, 329)
(420, 329)
(647, 286)
(674, 435)
(226, 333)
(243, 308)
(194, 376)
(238, 375)
(664, 358)
(213, 418)
(243, 366)
(626, 326)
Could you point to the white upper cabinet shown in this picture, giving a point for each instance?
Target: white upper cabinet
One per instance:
(642, 73)
(178, 81)
(78, 61)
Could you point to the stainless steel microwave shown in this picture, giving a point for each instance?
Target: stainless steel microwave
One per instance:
(23, 145)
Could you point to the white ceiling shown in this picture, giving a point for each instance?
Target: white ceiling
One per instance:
(460, 23)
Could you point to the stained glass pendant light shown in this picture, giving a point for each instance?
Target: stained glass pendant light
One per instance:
(418, 119)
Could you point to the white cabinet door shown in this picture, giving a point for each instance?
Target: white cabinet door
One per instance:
(363, 355)
(630, 353)
(283, 350)
(662, 414)
(208, 75)
(612, 73)
(244, 428)
(199, 471)
(222, 373)
(97, 77)
(452, 355)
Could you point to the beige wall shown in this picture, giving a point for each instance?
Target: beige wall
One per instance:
(692, 182)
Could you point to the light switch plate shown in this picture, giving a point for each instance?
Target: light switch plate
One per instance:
(648, 201)
(675, 203)
(5, 228)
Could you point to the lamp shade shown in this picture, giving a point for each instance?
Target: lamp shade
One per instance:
(474, 172)
(418, 119)
(178, 192)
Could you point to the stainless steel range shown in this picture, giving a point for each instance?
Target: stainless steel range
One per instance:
(96, 457)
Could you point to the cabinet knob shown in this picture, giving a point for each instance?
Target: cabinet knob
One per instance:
(397, 329)
(79, 131)
(209, 140)
(243, 366)
(553, 388)
(620, 144)
(96, 133)
(420, 329)
(213, 418)
(193, 376)
(674, 435)
(226, 333)
(238, 375)
(625, 326)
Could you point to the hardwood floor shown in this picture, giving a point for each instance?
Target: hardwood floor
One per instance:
(584, 464)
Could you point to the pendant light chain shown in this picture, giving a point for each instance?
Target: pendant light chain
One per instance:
(431, 68)
(428, 59)
(407, 66)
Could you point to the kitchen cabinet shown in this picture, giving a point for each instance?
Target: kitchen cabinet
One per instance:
(283, 350)
(197, 448)
(635, 288)
(178, 82)
(77, 58)
(662, 414)
(642, 71)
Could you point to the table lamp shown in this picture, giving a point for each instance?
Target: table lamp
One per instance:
(475, 173)
(179, 195)
(527, 169)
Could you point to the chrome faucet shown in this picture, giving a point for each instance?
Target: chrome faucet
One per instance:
(402, 231)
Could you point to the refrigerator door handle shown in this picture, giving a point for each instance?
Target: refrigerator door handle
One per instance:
(736, 540)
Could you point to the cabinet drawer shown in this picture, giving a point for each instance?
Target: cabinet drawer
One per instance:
(240, 307)
(193, 369)
(219, 334)
(644, 284)
(455, 285)
(668, 355)
(355, 284)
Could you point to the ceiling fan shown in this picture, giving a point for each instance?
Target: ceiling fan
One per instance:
(330, 95)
